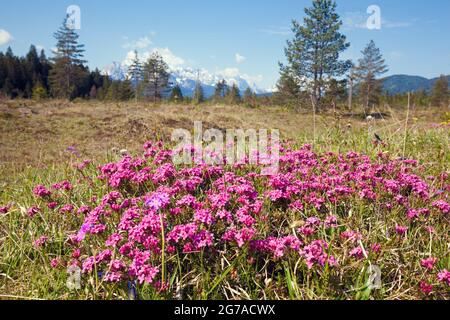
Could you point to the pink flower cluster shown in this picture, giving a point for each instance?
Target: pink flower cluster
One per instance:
(154, 209)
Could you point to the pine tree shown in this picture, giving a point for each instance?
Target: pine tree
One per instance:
(440, 92)
(234, 95)
(32, 70)
(313, 54)
(15, 81)
(176, 95)
(126, 91)
(198, 96)
(249, 97)
(220, 90)
(68, 70)
(336, 90)
(156, 77)
(288, 89)
(44, 71)
(370, 66)
(136, 74)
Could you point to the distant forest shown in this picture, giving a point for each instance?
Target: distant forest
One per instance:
(308, 77)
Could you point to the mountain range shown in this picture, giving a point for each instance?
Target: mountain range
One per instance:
(401, 83)
(187, 77)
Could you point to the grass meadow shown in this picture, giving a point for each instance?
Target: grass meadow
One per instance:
(344, 200)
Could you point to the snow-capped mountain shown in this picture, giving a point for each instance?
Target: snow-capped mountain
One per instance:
(186, 78)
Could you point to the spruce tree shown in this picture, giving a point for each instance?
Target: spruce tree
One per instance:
(249, 97)
(198, 96)
(68, 70)
(313, 53)
(156, 77)
(440, 92)
(369, 68)
(220, 90)
(288, 89)
(233, 95)
(136, 74)
(176, 95)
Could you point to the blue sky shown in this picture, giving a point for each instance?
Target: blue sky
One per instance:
(245, 36)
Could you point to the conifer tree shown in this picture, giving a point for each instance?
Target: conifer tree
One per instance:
(288, 89)
(198, 96)
(136, 74)
(68, 70)
(220, 90)
(313, 53)
(440, 92)
(370, 66)
(233, 95)
(176, 95)
(156, 77)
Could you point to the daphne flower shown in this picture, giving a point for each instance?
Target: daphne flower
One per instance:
(41, 191)
(428, 263)
(401, 230)
(4, 209)
(33, 211)
(444, 276)
(426, 288)
(54, 262)
(157, 200)
(40, 241)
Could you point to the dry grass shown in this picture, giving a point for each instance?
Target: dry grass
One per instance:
(38, 134)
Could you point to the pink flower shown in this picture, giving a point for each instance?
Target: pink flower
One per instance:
(442, 205)
(68, 208)
(330, 221)
(376, 247)
(41, 191)
(315, 253)
(76, 253)
(157, 200)
(412, 214)
(401, 230)
(40, 241)
(357, 253)
(204, 216)
(147, 274)
(52, 205)
(33, 211)
(425, 287)
(113, 277)
(54, 262)
(113, 240)
(4, 210)
(428, 263)
(430, 229)
(444, 276)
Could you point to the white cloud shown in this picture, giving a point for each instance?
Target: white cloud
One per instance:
(229, 72)
(239, 58)
(169, 57)
(235, 73)
(182, 67)
(172, 60)
(141, 43)
(5, 37)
